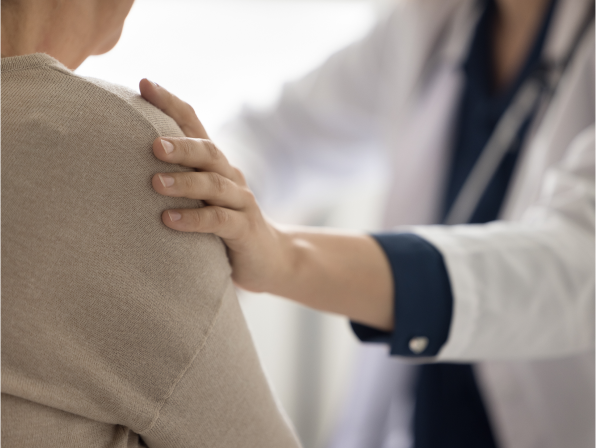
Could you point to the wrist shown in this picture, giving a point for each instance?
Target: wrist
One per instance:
(284, 261)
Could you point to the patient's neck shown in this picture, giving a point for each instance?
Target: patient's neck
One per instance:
(46, 27)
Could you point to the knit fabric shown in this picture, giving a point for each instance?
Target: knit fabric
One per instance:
(116, 331)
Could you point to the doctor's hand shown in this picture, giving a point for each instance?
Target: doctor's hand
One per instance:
(255, 246)
(329, 270)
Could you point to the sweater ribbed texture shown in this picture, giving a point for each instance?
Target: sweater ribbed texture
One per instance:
(113, 325)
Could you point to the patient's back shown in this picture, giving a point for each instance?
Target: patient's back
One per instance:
(113, 326)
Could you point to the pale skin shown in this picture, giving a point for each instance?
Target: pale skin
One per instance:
(328, 270)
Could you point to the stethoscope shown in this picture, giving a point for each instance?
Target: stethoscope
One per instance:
(538, 89)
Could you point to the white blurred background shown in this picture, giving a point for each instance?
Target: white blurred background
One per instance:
(218, 55)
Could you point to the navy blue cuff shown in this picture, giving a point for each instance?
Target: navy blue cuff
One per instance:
(423, 299)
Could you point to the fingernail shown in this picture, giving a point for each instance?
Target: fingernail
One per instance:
(167, 181)
(168, 147)
(174, 216)
(153, 83)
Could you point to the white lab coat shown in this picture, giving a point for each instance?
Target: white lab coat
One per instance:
(523, 286)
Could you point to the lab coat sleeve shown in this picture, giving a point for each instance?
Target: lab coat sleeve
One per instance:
(321, 134)
(526, 289)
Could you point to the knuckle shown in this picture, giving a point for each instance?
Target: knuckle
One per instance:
(169, 98)
(212, 150)
(188, 109)
(220, 216)
(249, 196)
(187, 181)
(194, 218)
(239, 174)
(186, 112)
(186, 147)
(218, 183)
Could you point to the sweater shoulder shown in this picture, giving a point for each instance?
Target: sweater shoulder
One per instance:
(104, 95)
(162, 123)
(104, 307)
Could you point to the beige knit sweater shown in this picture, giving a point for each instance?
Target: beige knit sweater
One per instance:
(116, 331)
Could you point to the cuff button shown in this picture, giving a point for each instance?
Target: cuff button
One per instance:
(418, 344)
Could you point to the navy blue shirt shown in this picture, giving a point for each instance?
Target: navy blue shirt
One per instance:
(423, 301)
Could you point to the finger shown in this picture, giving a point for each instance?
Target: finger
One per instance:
(200, 154)
(223, 222)
(182, 113)
(207, 186)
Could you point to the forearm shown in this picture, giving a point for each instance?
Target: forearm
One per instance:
(328, 270)
(337, 272)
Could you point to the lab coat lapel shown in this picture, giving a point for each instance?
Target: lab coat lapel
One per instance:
(416, 199)
(559, 123)
(420, 135)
